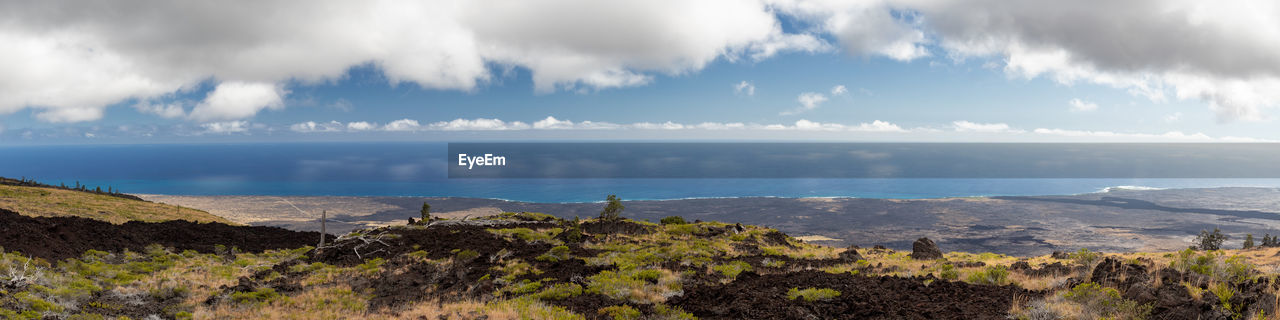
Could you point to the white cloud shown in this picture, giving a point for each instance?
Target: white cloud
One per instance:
(1078, 105)
(1173, 117)
(361, 126)
(477, 124)
(745, 88)
(70, 59)
(1221, 53)
(237, 100)
(226, 127)
(966, 126)
(402, 125)
(658, 126)
(839, 90)
(312, 126)
(164, 110)
(862, 27)
(808, 101)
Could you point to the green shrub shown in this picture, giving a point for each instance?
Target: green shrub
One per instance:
(371, 266)
(812, 294)
(466, 255)
(1084, 257)
(732, 269)
(560, 291)
(621, 312)
(524, 287)
(650, 275)
(948, 272)
(35, 303)
(1099, 302)
(556, 254)
(260, 296)
(613, 209)
(995, 275)
(672, 220)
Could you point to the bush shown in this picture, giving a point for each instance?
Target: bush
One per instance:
(1099, 301)
(612, 209)
(812, 294)
(556, 254)
(997, 275)
(560, 291)
(621, 312)
(672, 220)
(1085, 257)
(1210, 240)
(260, 296)
(732, 269)
(948, 272)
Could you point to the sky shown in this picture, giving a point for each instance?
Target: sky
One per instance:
(895, 70)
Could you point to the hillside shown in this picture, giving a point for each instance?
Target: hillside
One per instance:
(528, 265)
(56, 202)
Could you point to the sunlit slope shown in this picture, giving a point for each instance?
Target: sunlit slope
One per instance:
(51, 202)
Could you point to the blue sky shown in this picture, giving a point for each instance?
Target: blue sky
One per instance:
(910, 71)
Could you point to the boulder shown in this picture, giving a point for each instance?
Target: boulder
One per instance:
(851, 254)
(1060, 255)
(925, 249)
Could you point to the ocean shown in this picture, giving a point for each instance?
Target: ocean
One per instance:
(422, 170)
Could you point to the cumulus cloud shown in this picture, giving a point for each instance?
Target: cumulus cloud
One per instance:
(226, 127)
(477, 124)
(237, 100)
(863, 28)
(1221, 53)
(312, 126)
(69, 59)
(402, 125)
(744, 88)
(361, 126)
(1078, 105)
(808, 101)
(966, 126)
(839, 90)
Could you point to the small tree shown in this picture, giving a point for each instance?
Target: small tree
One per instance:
(1248, 241)
(613, 208)
(1210, 240)
(426, 212)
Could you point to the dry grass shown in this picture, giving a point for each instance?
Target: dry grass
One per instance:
(48, 202)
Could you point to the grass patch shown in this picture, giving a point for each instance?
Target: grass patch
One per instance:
(812, 294)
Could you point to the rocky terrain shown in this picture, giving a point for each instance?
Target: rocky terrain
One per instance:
(529, 265)
(1117, 220)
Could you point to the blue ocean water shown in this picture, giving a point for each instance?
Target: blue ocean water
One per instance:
(420, 169)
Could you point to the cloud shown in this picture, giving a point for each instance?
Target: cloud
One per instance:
(226, 127)
(402, 125)
(1078, 105)
(237, 100)
(862, 27)
(70, 60)
(808, 101)
(1173, 117)
(966, 126)
(839, 90)
(477, 124)
(361, 126)
(164, 110)
(745, 88)
(806, 125)
(312, 126)
(1221, 53)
